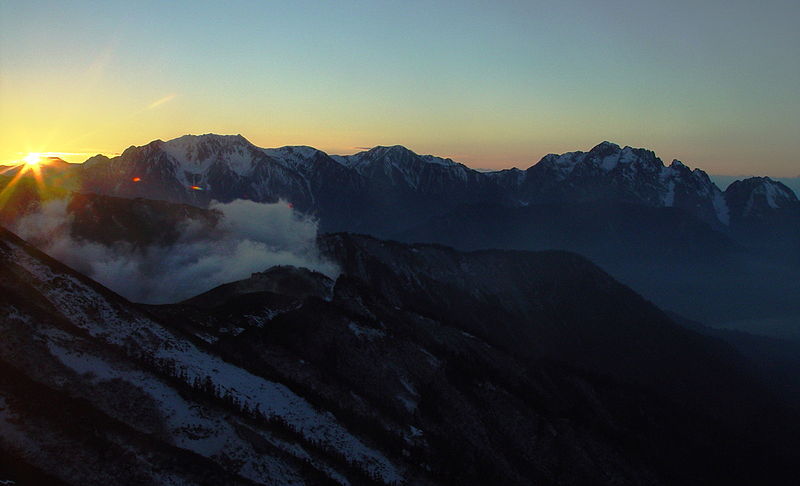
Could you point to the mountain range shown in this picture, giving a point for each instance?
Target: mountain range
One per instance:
(398, 183)
(723, 257)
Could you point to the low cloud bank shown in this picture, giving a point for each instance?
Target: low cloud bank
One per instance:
(250, 237)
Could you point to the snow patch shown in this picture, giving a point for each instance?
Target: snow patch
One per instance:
(771, 194)
(230, 150)
(103, 319)
(409, 404)
(366, 332)
(293, 156)
(191, 426)
(668, 198)
(721, 208)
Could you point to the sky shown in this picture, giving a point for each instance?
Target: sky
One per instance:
(492, 84)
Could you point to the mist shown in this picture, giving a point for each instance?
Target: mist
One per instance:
(250, 237)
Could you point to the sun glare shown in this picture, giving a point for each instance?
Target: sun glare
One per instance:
(32, 158)
(32, 165)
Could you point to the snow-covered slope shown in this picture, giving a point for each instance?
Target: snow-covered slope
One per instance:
(765, 214)
(195, 154)
(758, 195)
(72, 336)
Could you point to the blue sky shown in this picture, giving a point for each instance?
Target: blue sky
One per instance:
(492, 84)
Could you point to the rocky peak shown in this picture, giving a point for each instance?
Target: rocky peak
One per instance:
(393, 151)
(201, 147)
(758, 195)
(604, 148)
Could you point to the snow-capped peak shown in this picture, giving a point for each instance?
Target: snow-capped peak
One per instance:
(432, 159)
(196, 153)
(388, 151)
(397, 154)
(759, 194)
(294, 155)
(394, 155)
(776, 194)
(628, 173)
(605, 147)
(605, 156)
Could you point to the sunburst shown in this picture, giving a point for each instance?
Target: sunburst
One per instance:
(32, 158)
(33, 163)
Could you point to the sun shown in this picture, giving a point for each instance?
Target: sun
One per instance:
(33, 158)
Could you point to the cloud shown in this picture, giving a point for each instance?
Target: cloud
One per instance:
(250, 237)
(161, 101)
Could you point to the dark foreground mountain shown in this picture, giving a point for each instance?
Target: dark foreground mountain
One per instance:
(418, 365)
(96, 391)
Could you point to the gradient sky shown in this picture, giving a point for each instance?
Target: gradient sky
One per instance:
(490, 83)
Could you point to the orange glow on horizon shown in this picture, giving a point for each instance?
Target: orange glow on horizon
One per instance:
(136, 179)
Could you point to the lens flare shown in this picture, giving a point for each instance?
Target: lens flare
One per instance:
(33, 158)
(31, 163)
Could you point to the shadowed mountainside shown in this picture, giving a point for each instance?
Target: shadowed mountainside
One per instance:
(419, 365)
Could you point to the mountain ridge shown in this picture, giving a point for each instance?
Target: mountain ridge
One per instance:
(393, 182)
